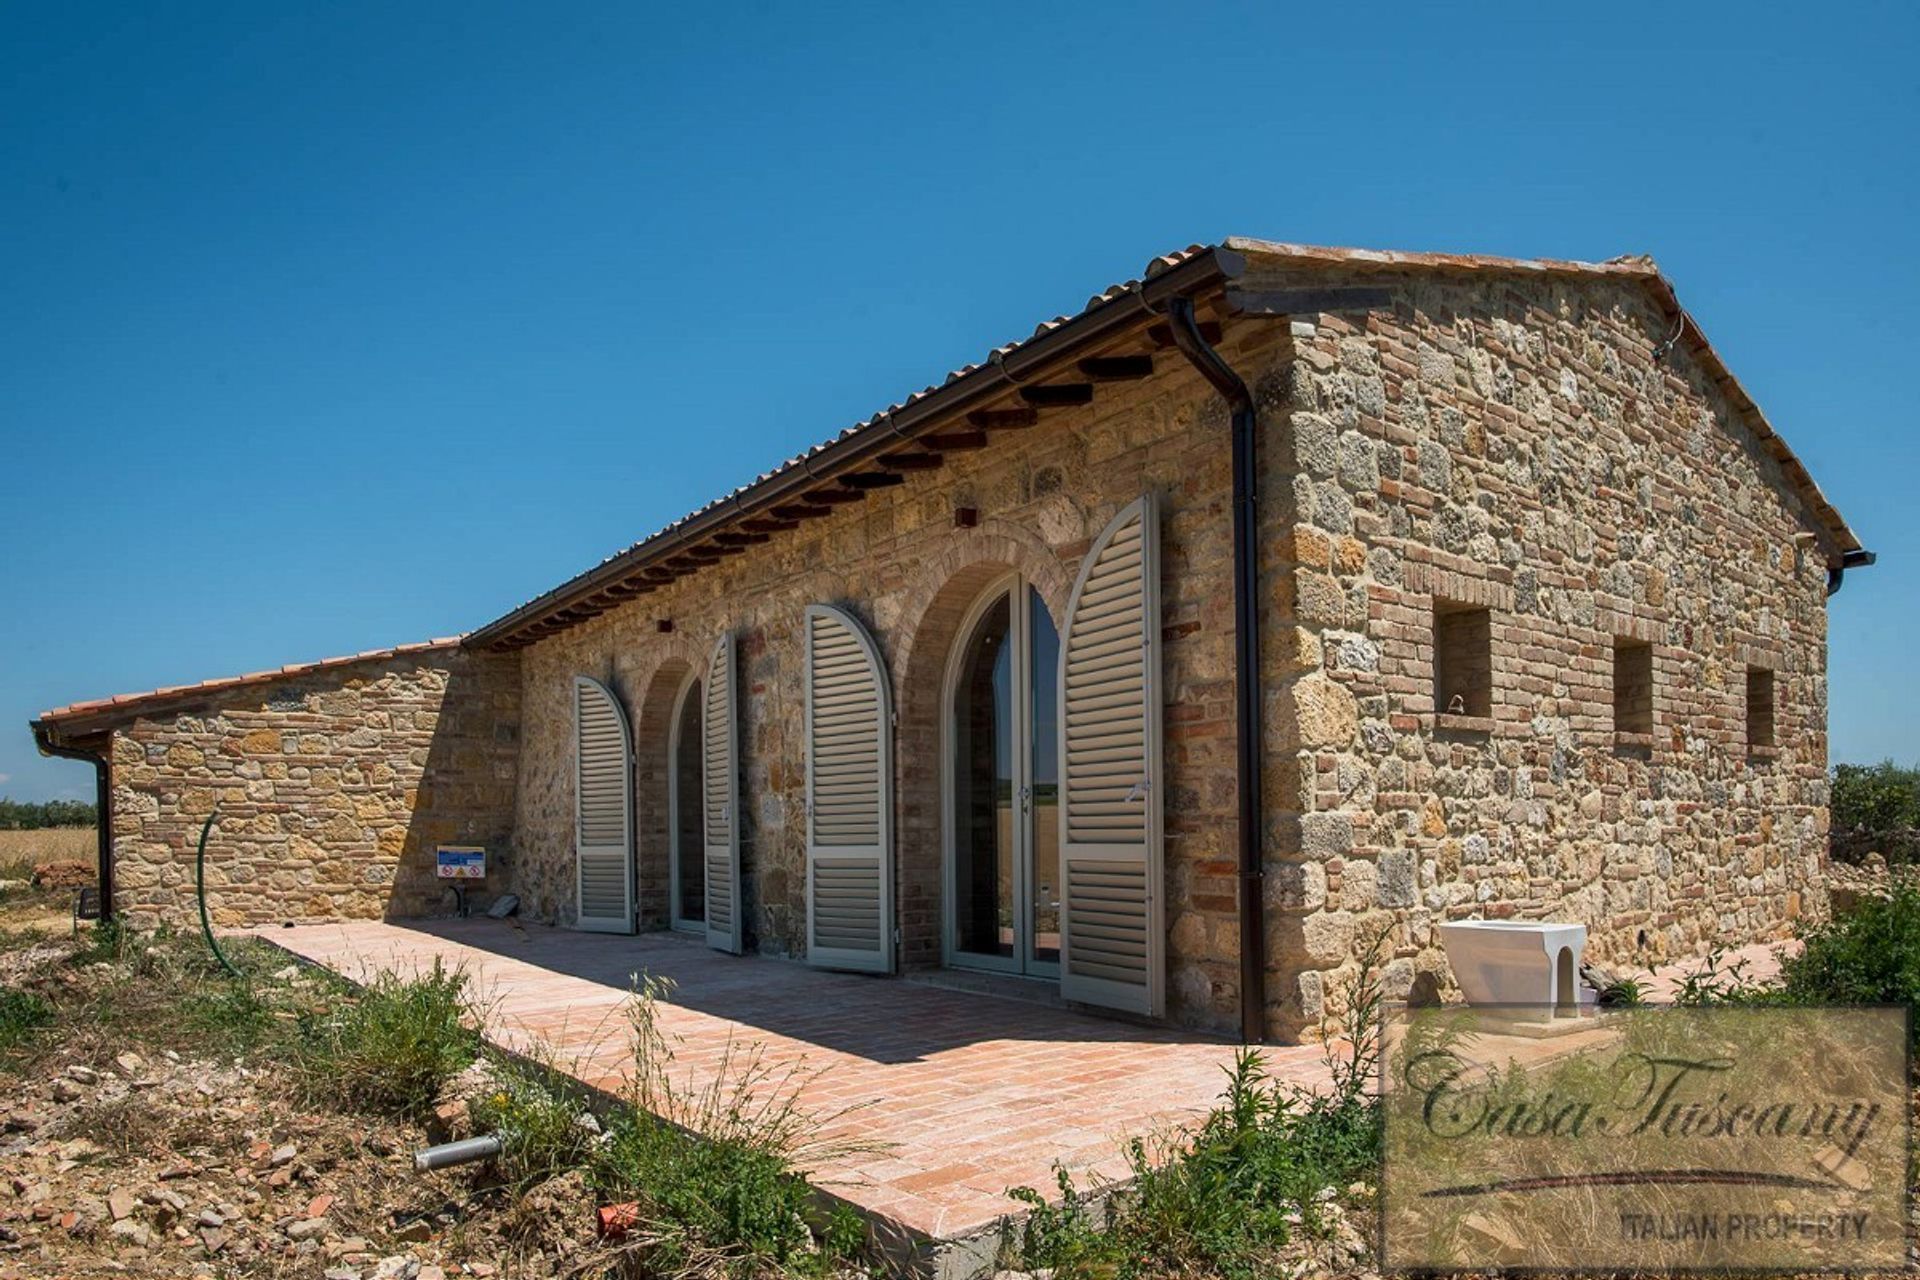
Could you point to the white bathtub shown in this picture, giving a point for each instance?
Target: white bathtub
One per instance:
(1517, 962)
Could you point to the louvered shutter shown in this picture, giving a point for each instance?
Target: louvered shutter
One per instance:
(720, 800)
(1112, 946)
(603, 809)
(849, 797)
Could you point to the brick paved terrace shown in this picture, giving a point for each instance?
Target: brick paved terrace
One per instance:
(965, 1093)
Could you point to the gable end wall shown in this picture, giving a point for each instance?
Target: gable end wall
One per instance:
(1511, 443)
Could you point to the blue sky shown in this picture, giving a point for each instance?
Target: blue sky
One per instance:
(334, 326)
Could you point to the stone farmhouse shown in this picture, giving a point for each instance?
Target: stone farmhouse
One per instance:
(1281, 596)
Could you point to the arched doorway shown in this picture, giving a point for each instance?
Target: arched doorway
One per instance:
(1000, 781)
(686, 836)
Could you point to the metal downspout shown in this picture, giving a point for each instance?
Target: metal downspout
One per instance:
(1246, 658)
(103, 807)
(1837, 575)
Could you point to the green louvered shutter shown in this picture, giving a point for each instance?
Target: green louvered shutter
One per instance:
(720, 799)
(849, 797)
(1112, 947)
(603, 809)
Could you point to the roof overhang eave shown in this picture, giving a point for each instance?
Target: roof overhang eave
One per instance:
(1203, 270)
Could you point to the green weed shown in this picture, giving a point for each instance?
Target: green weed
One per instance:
(1224, 1197)
(22, 1013)
(389, 1047)
(730, 1202)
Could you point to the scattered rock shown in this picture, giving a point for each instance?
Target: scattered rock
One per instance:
(415, 1232)
(282, 1155)
(129, 1064)
(83, 1074)
(64, 874)
(121, 1203)
(65, 1090)
(308, 1228)
(132, 1232)
(399, 1266)
(318, 1206)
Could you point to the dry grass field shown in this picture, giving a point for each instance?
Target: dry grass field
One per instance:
(22, 851)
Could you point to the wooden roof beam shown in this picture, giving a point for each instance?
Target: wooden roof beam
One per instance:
(1117, 368)
(955, 441)
(872, 480)
(835, 495)
(912, 461)
(1051, 395)
(1015, 419)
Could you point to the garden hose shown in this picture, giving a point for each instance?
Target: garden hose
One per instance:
(200, 886)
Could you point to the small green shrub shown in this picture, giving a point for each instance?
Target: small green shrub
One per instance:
(1876, 809)
(21, 1014)
(538, 1122)
(731, 1202)
(390, 1047)
(1623, 993)
(1870, 955)
(1225, 1197)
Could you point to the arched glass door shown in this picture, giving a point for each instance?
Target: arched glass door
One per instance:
(687, 844)
(1002, 770)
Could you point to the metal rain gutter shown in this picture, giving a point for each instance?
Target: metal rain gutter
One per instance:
(976, 388)
(1837, 575)
(103, 804)
(1246, 658)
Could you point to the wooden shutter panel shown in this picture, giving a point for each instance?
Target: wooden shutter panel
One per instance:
(1112, 945)
(849, 797)
(720, 800)
(603, 809)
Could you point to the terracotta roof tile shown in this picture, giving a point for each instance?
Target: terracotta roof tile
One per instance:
(1629, 266)
(563, 598)
(168, 693)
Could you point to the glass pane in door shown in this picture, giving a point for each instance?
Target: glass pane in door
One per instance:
(983, 788)
(1043, 665)
(689, 840)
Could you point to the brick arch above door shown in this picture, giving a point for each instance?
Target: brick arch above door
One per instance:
(921, 644)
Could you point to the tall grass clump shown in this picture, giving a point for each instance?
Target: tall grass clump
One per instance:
(22, 1013)
(538, 1120)
(390, 1047)
(1224, 1197)
(731, 1201)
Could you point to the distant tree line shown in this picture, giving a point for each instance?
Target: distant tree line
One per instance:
(1876, 809)
(26, 815)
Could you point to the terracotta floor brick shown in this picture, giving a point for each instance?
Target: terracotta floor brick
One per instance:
(964, 1094)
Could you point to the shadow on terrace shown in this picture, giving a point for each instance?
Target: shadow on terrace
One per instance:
(880, 1019)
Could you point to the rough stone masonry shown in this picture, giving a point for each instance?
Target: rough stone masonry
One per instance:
(1501, 486)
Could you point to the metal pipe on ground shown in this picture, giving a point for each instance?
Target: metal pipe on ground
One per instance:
(448, 1154)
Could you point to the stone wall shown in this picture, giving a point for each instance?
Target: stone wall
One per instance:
(897, 562)
(333, 789)
(1505, 445)
(1513, 444)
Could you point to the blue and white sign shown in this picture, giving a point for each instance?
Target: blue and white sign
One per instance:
(461, 862)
